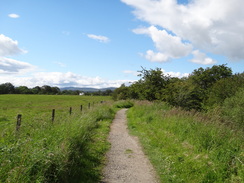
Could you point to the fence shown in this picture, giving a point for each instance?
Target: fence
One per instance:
(19, 116)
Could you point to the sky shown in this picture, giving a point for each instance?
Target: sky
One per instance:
(104, 43)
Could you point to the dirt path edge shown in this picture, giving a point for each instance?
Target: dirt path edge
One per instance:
(126, 161)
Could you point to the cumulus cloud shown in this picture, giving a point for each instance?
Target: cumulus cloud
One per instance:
(9, 47)
(11, 66)
(212, 26)
(61, 79)
(13, 15)
(171, 73)
(175, 74)
(201, 58)
(167, 45)
(99, 38)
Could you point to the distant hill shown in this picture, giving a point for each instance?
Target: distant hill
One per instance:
(87, 89)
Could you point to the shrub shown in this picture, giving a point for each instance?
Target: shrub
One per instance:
(233, 108)
(123, 104)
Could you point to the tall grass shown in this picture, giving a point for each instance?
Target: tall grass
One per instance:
(188, 146)
(69, 150)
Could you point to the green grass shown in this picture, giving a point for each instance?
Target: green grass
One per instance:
(39, 107)
(123, 104)
(188, 146)
(69, 150)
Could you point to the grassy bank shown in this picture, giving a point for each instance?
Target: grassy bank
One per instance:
(69, 150)
(188, 146)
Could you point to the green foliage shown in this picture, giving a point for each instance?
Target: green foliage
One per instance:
(149, 87)
(199, 91)
(121, 93)
(123, 104)
(205, 78)
(6, 88)
(182, 93)
(223, 89)
(154, 81)
(188, 146)
(71, 149)
(233, 108)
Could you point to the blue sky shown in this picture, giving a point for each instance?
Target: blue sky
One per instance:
(103, 43)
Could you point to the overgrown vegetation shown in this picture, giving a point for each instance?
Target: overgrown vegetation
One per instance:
(123, 104)
(71, 149)
(188, 146)
(206, 90)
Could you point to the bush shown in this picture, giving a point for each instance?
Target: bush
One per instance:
(233, 108)
(123, 104)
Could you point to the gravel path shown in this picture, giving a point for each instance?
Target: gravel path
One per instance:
(126, 161)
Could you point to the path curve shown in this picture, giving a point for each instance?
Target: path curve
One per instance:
(126, 162)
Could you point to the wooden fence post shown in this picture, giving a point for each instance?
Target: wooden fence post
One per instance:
(81, 108)
(18, 122)
(70, 110)
(53, 115)
(89, 106)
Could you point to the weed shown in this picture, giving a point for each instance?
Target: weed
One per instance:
(187, 146)
(123, 104)
(71, 149)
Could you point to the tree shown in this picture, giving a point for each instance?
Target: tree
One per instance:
(153, 82)
(23, 90)
(55, 90)
(224, 88)
(205, 78)
(121, 93)
(233, 108)
(7, 88)
(36, 90)
(45, 89)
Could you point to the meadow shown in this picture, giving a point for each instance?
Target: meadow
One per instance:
(40, 106)
(69, 149)
(183, 146)
(188, 146)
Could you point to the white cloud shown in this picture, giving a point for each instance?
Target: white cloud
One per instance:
(176, 74)
(201, 58)
(156, 57)
(61, 80)
(13, 15)
(213, 26)
(11, 66)
(167, 45)
(9, 47)
(171, 73)
(135, 73)
(103, 39)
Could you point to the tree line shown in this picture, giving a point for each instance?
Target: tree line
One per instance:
(203, 90)
(8, 88)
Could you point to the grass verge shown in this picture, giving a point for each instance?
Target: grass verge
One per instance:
(187, 146)
(70, 150)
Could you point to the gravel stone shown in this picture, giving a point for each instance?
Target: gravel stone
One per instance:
(126, 162)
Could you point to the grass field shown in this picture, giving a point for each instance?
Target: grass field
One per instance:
(188, 147)
(71, 149)
(40, 106)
